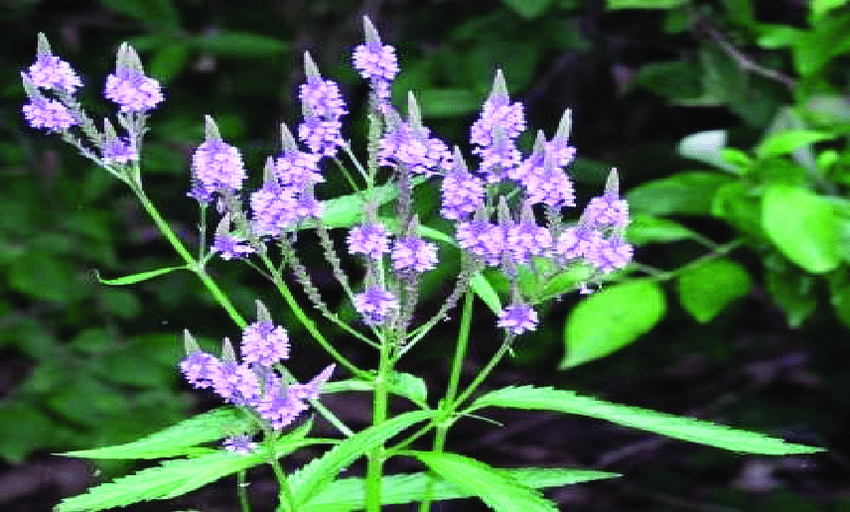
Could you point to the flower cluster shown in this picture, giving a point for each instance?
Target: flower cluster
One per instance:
(376, 62)
(323, 107)
(253, 383)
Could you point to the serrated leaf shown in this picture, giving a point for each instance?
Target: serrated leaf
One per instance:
(498, 490)
(687, 193)
(706, 289)
(785, 142)
(670, 425)
(348, 494)
(644, 229)
(311, 479)
(136, 278)
(170, 479)
(611, 319)
(803, 226)
(401, 384)
(175, 440)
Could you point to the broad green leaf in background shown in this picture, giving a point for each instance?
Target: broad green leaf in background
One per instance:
(803, 226)
(707, 147)
(447, 102)
(706, 289)
(670, 425)
(486, 292)
(496, 489)
(687, 193)
(611, 319)
(644, 229)
(528, 9)
(644, 4)
(782, 143)
(175, 440)
(821, 7)
(239, 44)
(815, 48)
(777, 36)
(840, 298)
(348, 494)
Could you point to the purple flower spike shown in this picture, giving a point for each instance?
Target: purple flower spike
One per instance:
(518, 318)
(323, 107)
(551, 186)
(231, 247)
(482, 239)
(241, 444)
(51, 72)
(419, 152)
(298, 170)
(132, 90)
(369, 239)
(577, 242)
(264, 343)
(119, 151)
(278, 406)
(607, 210)
(376, 62)
(49, 114)
(312, 389)
(237, 383)
(463, 193)
(200, 369)
(217, 165)
(274, 209)
(414, 255)
(613, 253)
(526, 239)
(375, 305)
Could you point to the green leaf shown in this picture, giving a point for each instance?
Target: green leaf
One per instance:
(815, 48)
(44, 276)
(137, 278)
(240, 44)
(569, 280)
(485, 291)
(498, 490)
(346, 211)
(840, 298)
(735, 203)
(177, 439)
(171, 479)
(156, 14)
(402, 384)
(778, 36)
(528, 9)
(706, 289)
(644, 4)
(787, 141)
(676, 80)
(821, 7)
(708, 147)
(687, 193)
(348, 494)
(678, 427)
(803, 226)
(611, 319)
(794, 292)
(645, 229)
(311, 479)
(168, 61)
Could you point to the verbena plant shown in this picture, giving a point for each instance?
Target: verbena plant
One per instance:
(495, 210)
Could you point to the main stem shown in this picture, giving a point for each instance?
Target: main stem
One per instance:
(375, 457)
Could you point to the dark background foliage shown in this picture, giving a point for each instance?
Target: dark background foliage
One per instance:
(86, 365)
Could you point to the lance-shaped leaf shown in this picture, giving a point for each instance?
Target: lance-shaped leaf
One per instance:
(679, 427)
(137, 278)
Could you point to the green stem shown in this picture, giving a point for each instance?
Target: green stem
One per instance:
(451, 391)
(307, 322)
(375, 457)
(191, 264)
(288, 501)
(242, 491)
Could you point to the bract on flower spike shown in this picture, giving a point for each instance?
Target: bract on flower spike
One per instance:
(189, 342)
(263, 314)
(228, 355)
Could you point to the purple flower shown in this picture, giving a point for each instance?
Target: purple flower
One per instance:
(51, 72)
(482, 239)
(200, 368)
(518, 318)
(231, 246)
(217, 165)
(264, 343)
(375, 305)
(498, 112)
(119, 151)
(50, 114)
(377, 63)
(298, 169)
(241, 444)
(607, 210)
(560, 152)
(236, 383)
(612, 253)
(323, 107)
(419, 152)
(498, 159)
(312, 389)
(278, 406)
(369, 239)
(463, 193)
(526, 239)
(549, 185)
(274, 209)
(414, 255)
(132, 90)
(577, 242)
